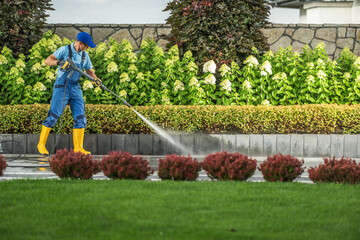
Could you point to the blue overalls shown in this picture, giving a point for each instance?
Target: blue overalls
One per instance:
(73, 96)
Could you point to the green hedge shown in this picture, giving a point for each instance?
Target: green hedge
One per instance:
(110, 119)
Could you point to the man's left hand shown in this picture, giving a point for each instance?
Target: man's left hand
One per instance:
(97, 82)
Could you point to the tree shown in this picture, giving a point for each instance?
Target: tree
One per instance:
(219, 30)
(22, 23)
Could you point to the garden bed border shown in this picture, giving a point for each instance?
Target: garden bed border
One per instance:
(257, 145)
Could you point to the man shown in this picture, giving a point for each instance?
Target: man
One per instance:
(67, 90)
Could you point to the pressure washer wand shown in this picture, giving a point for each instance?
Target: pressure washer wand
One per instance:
(74, 67)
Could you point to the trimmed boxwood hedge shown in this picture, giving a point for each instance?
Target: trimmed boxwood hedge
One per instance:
(111, 119)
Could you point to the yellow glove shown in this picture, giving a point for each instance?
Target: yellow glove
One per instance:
(97, 82)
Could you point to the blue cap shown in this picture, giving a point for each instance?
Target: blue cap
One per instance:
(85, 38)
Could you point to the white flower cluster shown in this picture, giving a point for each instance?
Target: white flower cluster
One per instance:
(132, 69)
(251, 61)
(265, 102)
(310, 65)
(164, 84)
(192, 67)
(51, 45)
(50, 76)
(158, 51)
(320, 46)
(194, 82)
(35, 55)
(140, 76)
(357, 63)
(174, 50)
(88, 85)
(165, 100)
(178, 86)
(39, 87)
(109, 55)
(347, 75)
(226, 85)
(3, 60)
(169, 63)
(246, 85)
(188, 54)
(123, 93)
(133, 86)
(265, 68)
(279, 76)
(126, 45)
(13, 72)
(143, 94)
(36, 68)
(209, 66)
(357, 79)
(112, 67)
(269, 54)
(56, 39)
(124, 77)
(157, 71)
(20, 65)
(97, 90)
(20, 81)
(210, 79)
(234, 65)
(224, 69)
(100, 48)
(321, 75)
(320, 62)
(310, 79)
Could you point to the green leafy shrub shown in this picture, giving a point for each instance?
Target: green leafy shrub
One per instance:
(68, 164)
(229, 166)
(3, 164)
(22, 23)
(123, 165)
(218, 30)
(152, 77)
(175, 167)
(343, 170)
(282, 168)
(111, 119)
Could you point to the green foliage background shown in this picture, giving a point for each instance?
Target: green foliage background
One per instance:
(154, 77)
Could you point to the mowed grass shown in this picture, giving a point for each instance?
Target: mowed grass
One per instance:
(68, 209)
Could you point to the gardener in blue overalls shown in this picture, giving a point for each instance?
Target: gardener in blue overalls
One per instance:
(67, 83)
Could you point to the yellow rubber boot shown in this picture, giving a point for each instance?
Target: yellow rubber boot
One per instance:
(42, 141)
(78, 139)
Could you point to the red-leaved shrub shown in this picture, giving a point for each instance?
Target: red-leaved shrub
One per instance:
(3, 164)
(344, 170)
(282, 168)
(123, 165)
(68, 164)
(178, 168)
(229, 166)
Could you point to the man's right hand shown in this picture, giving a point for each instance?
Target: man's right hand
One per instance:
(64, 65)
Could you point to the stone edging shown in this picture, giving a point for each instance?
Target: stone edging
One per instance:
(257, 145)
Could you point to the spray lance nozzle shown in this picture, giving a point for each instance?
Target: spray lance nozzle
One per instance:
(76, 68)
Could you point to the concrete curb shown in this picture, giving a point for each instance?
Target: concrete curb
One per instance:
(298, 145)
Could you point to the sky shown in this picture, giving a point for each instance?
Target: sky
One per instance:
(131, 12)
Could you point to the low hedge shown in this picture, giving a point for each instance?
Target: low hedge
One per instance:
(111, 119)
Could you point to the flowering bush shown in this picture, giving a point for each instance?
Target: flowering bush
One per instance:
(282, 168)
(68, 164)
(178, 168)
(3, 164)
(123, 165)
(153, 77)
(229, 166)
(343, 170)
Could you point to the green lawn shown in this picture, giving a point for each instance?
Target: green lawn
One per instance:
(102, 209)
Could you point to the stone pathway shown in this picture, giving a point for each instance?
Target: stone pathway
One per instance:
(36, 166)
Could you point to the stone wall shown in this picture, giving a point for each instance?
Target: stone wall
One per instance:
(336, 37)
